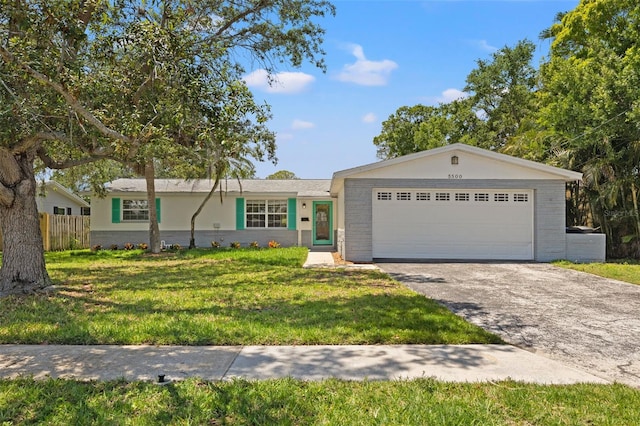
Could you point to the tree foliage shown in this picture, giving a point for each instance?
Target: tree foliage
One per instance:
(282, 174)
(500, 100)
(591, 101)
(502, 92)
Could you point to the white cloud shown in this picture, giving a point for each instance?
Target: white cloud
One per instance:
(369, 118)
(364, 71)
(284, 136)
(283, 82)
(300, 124)
(484, 45)
(451, 95)
(447, 96)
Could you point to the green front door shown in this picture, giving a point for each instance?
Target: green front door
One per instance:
(322, 223)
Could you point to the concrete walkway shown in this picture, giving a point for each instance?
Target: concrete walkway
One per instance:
(455, 363)
(319, 259)
(322, 259)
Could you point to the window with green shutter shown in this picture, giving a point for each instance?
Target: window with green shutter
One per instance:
(115, 210)
(239, 214)
(291, 220)
(132, 210)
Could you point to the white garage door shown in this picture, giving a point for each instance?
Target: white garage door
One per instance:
(453, 224)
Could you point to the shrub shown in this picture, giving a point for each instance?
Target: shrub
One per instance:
(143, 246)
(113, 247)
(128, 246)
(235, 245)
(215, 244)
(274, 244)
(176, 247)
(96, 247)
(254, 244)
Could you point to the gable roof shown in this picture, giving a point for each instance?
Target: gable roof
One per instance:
(555, 172)
(298, 187)
(54, 186)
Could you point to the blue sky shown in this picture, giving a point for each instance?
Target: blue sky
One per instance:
(382, 55)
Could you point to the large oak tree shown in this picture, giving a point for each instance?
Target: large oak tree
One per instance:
(136, 82)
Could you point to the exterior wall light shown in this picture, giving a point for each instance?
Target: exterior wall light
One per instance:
(304, 205)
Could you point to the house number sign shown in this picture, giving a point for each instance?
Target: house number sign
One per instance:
(452, 176)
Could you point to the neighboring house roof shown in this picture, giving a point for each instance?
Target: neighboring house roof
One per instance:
(555, 172)
(298, 187)
(52, 185)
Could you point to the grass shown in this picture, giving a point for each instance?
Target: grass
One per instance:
(329, 402)
(628, 271)
(262, 297)
(224, 297)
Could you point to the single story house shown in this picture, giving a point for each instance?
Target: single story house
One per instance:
(456, 202)
(54, 198)
(292, 212)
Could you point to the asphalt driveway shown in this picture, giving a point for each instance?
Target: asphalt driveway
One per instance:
(580, 319)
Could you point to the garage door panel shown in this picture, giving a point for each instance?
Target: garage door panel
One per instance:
(454, 229)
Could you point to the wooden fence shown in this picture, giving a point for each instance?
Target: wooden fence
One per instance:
(61, 232)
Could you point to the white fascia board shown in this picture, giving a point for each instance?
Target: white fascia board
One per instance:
(566, 175)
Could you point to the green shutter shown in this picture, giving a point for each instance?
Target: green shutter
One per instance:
(115, 210)
(291, 214)
(239, 214)
(158, 209)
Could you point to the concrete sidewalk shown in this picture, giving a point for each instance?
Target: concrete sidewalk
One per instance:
(456, 363)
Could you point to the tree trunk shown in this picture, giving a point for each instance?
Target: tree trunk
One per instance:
(154, 229)
(192, 240)
(23, 265)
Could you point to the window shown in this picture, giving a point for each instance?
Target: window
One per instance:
(443, 196)
(403, 196)
(500, 197)
(135, 210)
(69, 211)
(85, 211)
(59, 210)
(266, 214)
(384, 196)
(521, 198)
(481, 197)
(423, 196)
(462, 196)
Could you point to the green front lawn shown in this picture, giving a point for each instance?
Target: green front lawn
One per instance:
(224, 297)
(623, 271)
(329, 402)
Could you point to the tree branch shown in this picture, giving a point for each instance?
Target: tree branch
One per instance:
(261, 5)
(65, 164)
(9, 168)
(69, 98)
(54, 164)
